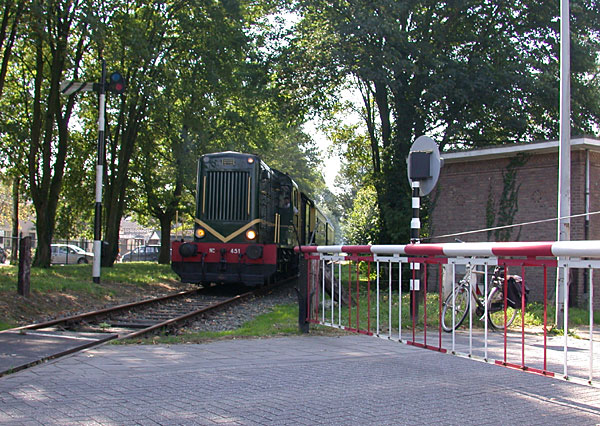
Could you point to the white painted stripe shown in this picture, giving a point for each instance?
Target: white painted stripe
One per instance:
(415, 285)
(70, 87)
(416, 202)
(98, 184)
(576, 248)
(415, 223)
(329, 249)
(468, 249)
(388, 249)
(96, 266)
(101, 108)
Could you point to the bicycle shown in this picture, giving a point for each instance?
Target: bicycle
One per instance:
(459, 303)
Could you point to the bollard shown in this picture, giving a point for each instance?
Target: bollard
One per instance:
(23, 283)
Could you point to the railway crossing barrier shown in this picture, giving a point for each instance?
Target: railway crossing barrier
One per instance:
(364, 289)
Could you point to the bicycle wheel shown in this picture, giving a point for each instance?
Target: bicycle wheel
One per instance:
(460, 308)
(496, 310)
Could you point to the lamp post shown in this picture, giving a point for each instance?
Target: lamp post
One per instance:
(564, 160)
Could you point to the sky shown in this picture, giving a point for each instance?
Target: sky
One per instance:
(331, 164)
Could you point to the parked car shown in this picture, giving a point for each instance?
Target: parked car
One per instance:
(147, 253)
(69, 253)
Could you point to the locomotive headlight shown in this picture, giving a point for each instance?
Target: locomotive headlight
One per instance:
(200, 233)
(250, 234)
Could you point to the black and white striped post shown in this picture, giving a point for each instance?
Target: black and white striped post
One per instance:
(70, 88)
(99, 173)
(415, 230)
(415, 227)
(423, 166)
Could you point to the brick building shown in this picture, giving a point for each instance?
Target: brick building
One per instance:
(514, 184)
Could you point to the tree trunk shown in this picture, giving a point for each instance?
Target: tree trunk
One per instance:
(15, 220)
(164, 257)
(115, 200)
(44, 239)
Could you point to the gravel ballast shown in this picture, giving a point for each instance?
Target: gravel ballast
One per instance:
(233, 317)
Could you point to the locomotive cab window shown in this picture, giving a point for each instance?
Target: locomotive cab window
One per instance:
(284, 197)
(296, 200)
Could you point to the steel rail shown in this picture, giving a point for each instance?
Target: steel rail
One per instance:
(92, 314)
(185, 317)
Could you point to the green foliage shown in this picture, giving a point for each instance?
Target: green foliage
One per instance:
(361, 223)
(577, 316)
(212, 76)
(471, 74)
(199, 79)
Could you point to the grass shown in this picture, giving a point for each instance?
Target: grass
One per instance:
(78, 278)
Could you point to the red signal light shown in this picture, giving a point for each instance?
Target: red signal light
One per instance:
(116, 83)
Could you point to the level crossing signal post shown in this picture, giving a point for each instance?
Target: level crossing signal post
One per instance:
(423, 167)
(115, 84)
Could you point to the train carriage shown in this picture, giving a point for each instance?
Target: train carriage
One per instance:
(248, 219)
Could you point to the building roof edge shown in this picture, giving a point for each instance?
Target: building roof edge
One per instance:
(578, 143)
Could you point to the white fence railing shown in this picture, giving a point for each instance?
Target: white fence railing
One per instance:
(465, 300)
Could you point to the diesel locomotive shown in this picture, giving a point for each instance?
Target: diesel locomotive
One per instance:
(249, 217)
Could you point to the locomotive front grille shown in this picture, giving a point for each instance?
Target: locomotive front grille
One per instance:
(227, 196)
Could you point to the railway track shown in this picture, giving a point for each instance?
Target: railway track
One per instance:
(74, 333)
(142, 317)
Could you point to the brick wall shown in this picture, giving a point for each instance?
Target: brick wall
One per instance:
(469, 194)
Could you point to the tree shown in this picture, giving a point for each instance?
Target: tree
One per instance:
(470, 73)
(138, 40)
(35, 125)
(10, 22)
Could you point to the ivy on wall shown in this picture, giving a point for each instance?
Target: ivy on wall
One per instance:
(503, 212)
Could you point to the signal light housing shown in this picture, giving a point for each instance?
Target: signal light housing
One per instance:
(251, 234)
(116, 83)
(199, 233)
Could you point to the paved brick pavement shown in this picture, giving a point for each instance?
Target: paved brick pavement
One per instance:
(307, 380)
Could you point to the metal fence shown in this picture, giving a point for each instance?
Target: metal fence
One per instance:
(366, 289)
